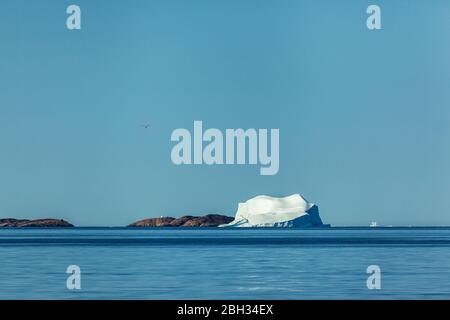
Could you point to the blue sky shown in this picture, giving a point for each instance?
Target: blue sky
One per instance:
(364, 116)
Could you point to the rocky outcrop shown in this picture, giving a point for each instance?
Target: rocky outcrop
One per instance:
(210, 220)
(154, 222)
(39, 223)
(179, 222)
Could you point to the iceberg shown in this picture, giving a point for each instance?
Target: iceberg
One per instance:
(264, 211)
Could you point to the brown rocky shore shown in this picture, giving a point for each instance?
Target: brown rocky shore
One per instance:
(39, 223)
(210, 220)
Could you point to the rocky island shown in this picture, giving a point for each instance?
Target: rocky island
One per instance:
(39, 223)
(210, 220)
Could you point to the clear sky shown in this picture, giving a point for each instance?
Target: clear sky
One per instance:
(364, 116)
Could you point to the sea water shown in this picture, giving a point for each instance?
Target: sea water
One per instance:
(212, 263)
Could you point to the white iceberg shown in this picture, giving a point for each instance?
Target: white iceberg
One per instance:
(265, 211)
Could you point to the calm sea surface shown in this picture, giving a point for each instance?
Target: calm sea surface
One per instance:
(119, 263)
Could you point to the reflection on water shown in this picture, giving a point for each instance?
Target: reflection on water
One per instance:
(225, 264)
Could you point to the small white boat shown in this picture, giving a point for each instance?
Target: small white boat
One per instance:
(373, 224)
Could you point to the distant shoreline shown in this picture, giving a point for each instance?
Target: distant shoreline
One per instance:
(228, 229)
(185, 222)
